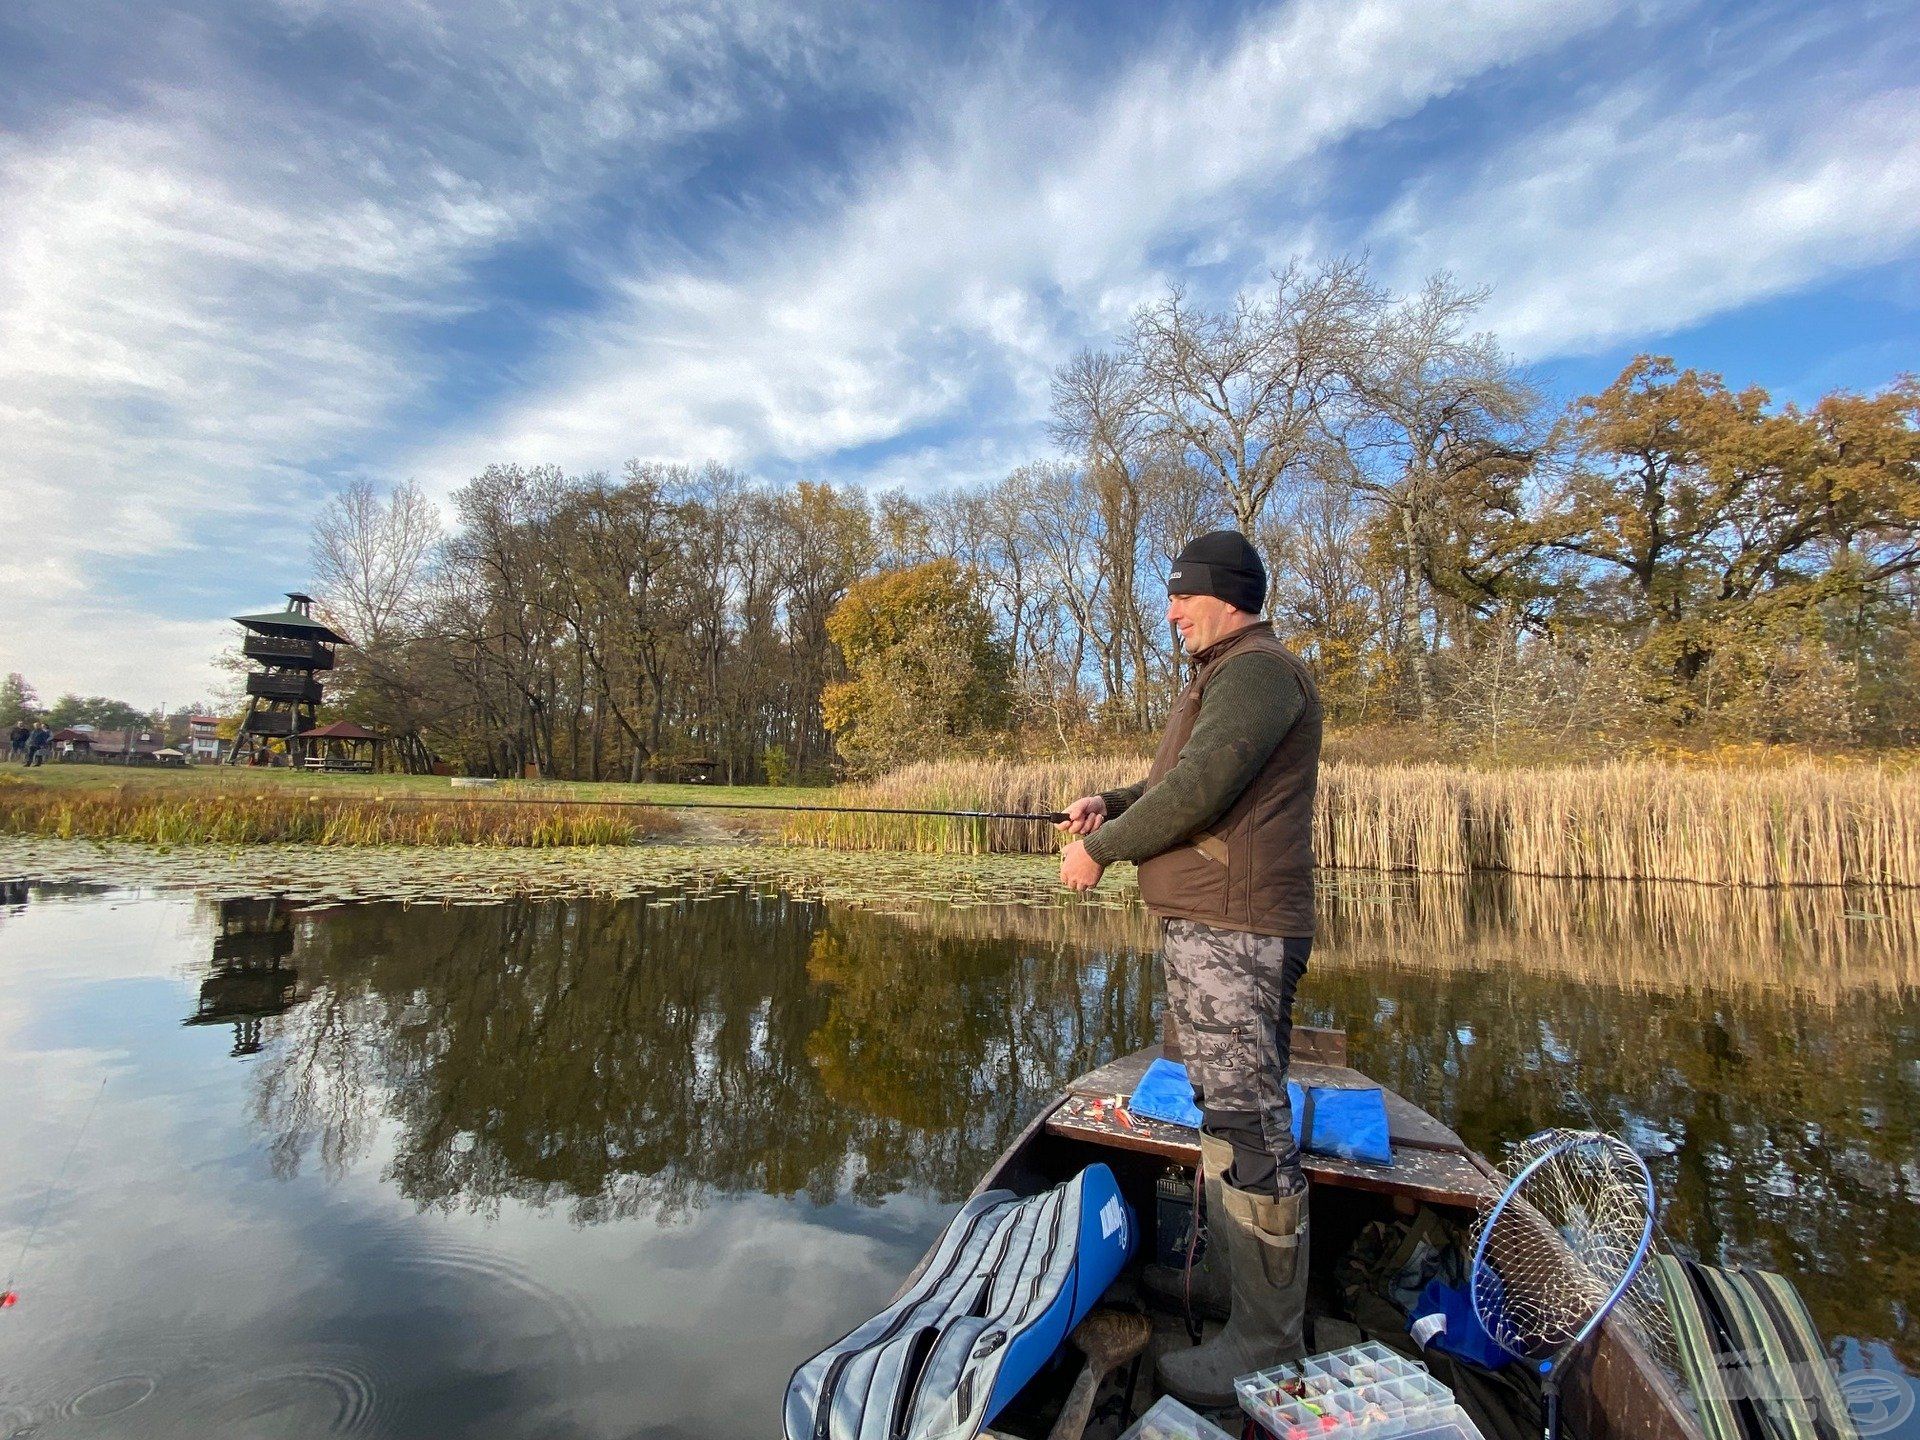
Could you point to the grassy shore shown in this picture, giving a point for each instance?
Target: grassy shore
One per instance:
(1804, 824)
(181, 807)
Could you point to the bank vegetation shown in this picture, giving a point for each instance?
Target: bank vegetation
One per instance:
(1635, 820)
(165, 815)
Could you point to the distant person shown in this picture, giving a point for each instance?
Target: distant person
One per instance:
(19, 741)
(37, 742)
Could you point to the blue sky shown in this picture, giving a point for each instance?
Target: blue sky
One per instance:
(251, 250)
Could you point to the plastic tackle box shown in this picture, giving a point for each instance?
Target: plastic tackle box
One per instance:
(1364, 1390)
(1170, 1420)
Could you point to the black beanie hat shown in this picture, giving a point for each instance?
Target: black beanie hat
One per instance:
(1223, 564)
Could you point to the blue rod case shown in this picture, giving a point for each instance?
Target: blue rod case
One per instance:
(1008, 1280)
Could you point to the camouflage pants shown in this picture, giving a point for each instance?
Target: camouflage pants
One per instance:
(1230, 993)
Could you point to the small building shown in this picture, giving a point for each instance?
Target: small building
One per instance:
(110, 747)
(204, 745)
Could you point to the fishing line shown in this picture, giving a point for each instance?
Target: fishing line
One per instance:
(1051, 817)
(9, 1297)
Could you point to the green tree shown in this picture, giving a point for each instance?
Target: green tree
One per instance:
(17, 699)
(1743, 548)
(98, 711)
(927, 668)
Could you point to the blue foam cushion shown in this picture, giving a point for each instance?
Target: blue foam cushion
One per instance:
(1165, 1093)
(1349, 1121)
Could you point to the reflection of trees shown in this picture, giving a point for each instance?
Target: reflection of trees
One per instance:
(1785, 1131)
(963, 1039)
(621, 1057)
(624, 1057)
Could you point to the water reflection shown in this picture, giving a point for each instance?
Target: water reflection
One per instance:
(622, 1058)
(573, 1167)
(625, 1059)
(248, 980)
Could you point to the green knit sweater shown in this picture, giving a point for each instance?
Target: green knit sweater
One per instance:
(1248, 707)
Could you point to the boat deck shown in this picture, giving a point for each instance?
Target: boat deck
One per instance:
(1430, 1162)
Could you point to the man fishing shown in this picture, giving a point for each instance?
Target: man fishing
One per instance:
(1222, 830)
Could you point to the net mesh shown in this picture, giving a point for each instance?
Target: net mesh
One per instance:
(1560, 1246)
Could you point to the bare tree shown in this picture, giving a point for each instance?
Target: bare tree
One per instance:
(1441, 433)
(1243, 394)
(371, 558)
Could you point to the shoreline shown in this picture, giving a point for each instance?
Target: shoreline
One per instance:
(1764, 829)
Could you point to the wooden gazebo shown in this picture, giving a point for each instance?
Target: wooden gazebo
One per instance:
(341, 745)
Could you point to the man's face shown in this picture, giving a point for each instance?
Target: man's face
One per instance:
(1203, 619)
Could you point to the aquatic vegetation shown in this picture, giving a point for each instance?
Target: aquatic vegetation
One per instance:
(248, 815)
(1829, 945)
(1795, 825)
(665, 873)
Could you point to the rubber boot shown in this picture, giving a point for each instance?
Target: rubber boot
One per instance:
(1167, 1285)
(1267, 1248)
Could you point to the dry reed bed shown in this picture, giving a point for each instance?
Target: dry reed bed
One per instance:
(1802, 825)
(250, 817)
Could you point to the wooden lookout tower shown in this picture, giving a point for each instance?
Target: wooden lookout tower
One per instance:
(289, 649)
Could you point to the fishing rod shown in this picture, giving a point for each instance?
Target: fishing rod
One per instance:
(1051, 817)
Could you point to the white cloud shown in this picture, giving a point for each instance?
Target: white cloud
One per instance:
(210, 292)
(1016, 229)
(1624, 222)
(214, 291)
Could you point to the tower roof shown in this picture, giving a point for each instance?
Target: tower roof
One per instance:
(339, 730)
(296, 621)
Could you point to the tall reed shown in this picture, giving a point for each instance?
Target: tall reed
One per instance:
(1798, 825)
(255, 816)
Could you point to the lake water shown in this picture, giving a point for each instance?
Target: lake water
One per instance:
(594, 1168)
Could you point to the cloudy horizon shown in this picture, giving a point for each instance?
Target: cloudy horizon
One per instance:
(253, 252)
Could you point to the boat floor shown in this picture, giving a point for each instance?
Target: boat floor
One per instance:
(1131, 1391)
(1432, 1165)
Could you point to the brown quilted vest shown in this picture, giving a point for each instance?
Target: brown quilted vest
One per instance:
(1252, 869)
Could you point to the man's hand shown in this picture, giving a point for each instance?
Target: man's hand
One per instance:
(1079, 870)
(1083, 816)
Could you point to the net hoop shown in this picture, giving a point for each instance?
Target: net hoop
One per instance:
(1556, 1144)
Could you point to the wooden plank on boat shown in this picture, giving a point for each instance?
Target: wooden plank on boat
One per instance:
(1407, 1124)
(1439, 1176)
